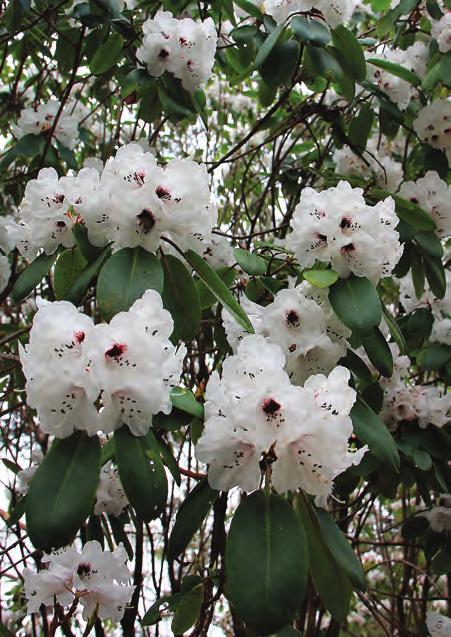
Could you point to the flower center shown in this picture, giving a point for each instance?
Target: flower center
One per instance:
(79, 337)
(321, 237)
(271, 406)
(345, 223)
(117, 350)
(348, 248)
(146, 221)
(163, 193)
(163, 54)
(84, 569)
(292, 319)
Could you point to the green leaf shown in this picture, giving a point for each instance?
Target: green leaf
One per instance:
(184, 400)
(320, 61)
(331, 583)
(107, 55)
(435, 274)
(395, 330)
(417, 273)
(422, 459)
(434, 356)
(445, 69)
(353, 57)
(308, 30)
(250, 8)
(266, 562)
(88, 251)
(340, 548)
(86, 277)
(441, 562)
(413, 214)
(207, 299)
(181, 299)
(32, 276)
(244, 34)
(67, 269)
(268, 45)
(62, 491)
(169, 461)
(249, 262)
(356, 302)
(320, 278)
(371, 430)
(396, 69)
(192, 512)
(281, 63)
(429, 243)
(218, 289)
(378, 352)
(125, 277)
(188, 610)
(30, 145)
(141, 472)
(360, 127)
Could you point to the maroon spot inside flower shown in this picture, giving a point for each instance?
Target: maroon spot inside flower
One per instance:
(163, 54)
(292, 318)
(413, 199)
(79, 337)
(139, 176)
(59, 197)
(183, 41)
(117, 350)
(321, 237)
(163, 193)
(345, 223)
(348, 248)
(146, 220)
(84, 569)
(271, 406)
(60, 224)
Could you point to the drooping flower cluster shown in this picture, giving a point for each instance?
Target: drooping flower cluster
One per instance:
(41, 120)
(133, 202)
(186, 48)
(302, 322)
(335, 12)
(441, 31)
(338, 227)
(256, 418)
(433, 125)
(110, 495)
(95, 577)
(414, 59)
(129, 365)
(434, 196)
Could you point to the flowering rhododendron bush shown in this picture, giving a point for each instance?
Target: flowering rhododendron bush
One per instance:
(226, 320)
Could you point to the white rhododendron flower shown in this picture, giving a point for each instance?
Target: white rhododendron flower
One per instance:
(8, 233)
(5, 272)
(433, 125)
(110, 495)
(439, 518)
(184, 47)
(25, 476)
(441, 31)
(133, 365)
(414, 59)
(93, 576)
(335, 12)
(441, 330)
(438, 625)
(433, 195)
(41, 120)
(54, 364)
(410, 302)
(302, 322)
(338, 227)
(255, 417)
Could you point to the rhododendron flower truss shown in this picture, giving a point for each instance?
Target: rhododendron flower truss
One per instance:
(42, 120)
(337, 226)
(433, 195)
(256, 420)
(95, 577)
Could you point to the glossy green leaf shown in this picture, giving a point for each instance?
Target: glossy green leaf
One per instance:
(360, 127)
(67, 269)
(321, 61)
(320, 278)
(62, 491)
(192, 512)
(371, 430)
(218, 288)
(88, 251)
(429, 243)
(250, 262)
(281, 63)
(435, 274)
(32, 276)
(181, 299)
(107, 55)
(353, 58)
(378, 352)
(396, 69)
(434, 356)
(356, 302)
(266, 562)
(184, 400)
(188, 610)
(86, 277)
(125, 277)
(207, 298)
(394, 329)
(409, 212)
(141, 472)
(309, 30)
(268, 45)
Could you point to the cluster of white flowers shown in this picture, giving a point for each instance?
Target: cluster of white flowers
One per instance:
(434, 196)
(441, 31)
(338, 227)
(414, 59)
(95, 577)
(302, 323)
(255, 417)
(186, 48)
(110, 495)
(405, 401)
(438, 625)
(133, 202)
(335, 12)
(41, 120)
(129, 365)
(433, 125)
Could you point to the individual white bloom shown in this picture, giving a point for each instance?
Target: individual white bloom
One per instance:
(255, 415)
(410, 302)
(217, 251)
(441, 31)
(281, 10)
(386, 171)
(41, 120)
(337, 226)
(432, 406)
(184, 47)
(414, 59)
(5, 272)
(335, 12)
(441, 330)
(133, 365)
(146, 201)
(434, 196)
(433, 125)
(438, 625)
(95, 576)
(110, 495)
(439, 518)
(8, 225)
(54, 363)
(25, 476)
